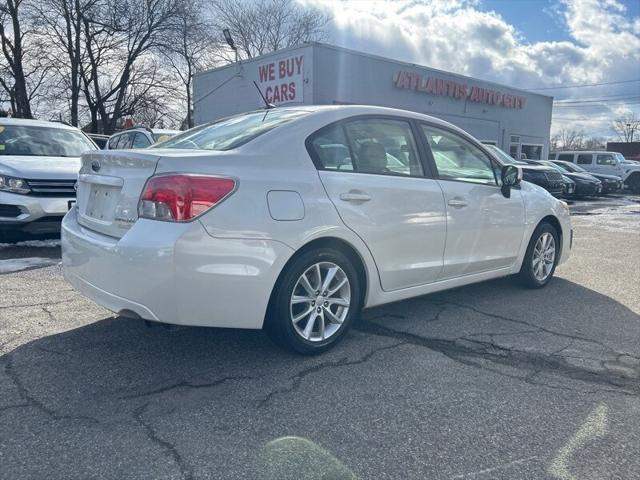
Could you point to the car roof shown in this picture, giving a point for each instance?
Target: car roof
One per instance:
(35, 123)
(339, 112)
(164, 130)
(587, 152)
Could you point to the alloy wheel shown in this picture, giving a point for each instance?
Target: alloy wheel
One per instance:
(320, 301)
(544, 256)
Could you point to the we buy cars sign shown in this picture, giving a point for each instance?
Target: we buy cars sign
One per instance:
(281, 81)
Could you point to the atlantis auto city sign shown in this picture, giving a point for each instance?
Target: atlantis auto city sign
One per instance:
(457, 90)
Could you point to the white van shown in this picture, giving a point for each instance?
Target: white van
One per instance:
(607, 163)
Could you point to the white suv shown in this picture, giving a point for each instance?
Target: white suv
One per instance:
(138, 137)
(39, 163)
(607, 163)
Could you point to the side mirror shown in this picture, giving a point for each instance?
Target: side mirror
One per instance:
(511, 176)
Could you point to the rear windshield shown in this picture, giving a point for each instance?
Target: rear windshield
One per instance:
(231, 132)
(42, 141)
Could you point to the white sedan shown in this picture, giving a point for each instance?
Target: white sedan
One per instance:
(293, 219)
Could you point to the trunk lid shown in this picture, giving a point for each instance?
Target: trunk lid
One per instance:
(110, 183)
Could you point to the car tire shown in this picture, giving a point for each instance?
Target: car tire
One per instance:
(633, 182)
(533, 273)
(291, 298)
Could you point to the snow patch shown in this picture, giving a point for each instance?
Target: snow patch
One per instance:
(32, 244)
(17, 264)
(613, 219)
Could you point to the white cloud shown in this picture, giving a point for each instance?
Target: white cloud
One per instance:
(459, 36)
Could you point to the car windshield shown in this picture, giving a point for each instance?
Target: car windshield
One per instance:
(619, 157)
(572, 168)
(31, 141)
(555, 166)
(231, 132)
(503, 156)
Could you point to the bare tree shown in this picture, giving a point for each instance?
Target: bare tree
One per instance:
(61, 21)
(567, 139)
(262, 27)
(118, 36)
(23, 72)
(626, 127)
(190, 48)
(594, 143)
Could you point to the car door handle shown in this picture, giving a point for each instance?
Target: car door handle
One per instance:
(457, 203)
(355, 197)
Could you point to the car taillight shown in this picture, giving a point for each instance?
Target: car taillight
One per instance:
(180, 198)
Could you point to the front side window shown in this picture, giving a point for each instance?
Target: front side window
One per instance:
(378, 146)
(231, 132)
(585, 159)
(26, 140)
(566, 157)
(606, 159)
(458, 159)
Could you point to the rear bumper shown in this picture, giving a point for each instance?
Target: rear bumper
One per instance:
(174, 273)
(30, 214)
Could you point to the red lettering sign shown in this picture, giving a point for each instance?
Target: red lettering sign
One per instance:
(437, 86)
(281, 81)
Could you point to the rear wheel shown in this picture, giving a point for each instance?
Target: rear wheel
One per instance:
(541, 257)
(315, 302)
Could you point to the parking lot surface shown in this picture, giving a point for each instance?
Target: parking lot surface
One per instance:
(490, 381)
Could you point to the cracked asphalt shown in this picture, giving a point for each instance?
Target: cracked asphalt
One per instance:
(490, 381)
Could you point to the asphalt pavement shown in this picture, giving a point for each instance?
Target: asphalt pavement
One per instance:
(490, 381)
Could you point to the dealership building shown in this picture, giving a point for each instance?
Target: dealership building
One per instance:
(515, 120)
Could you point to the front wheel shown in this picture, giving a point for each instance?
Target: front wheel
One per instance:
(541, 257)
(315, 301)
(633, 182)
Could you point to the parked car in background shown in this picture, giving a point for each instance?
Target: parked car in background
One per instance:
(99, 139)
(39, 163)
(546, 177)
(610, 183)
(138, 137)
(586, 184)
(608, 163)
(217, 227)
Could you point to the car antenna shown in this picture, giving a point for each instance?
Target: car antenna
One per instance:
(267, 105)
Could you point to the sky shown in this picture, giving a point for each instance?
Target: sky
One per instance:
(532, 44)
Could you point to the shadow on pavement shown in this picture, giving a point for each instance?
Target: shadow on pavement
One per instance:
(113, 369)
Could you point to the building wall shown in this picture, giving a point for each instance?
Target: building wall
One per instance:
(332, 75)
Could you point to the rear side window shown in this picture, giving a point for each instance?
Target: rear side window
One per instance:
(566, 157)
(332, 149)
(606, 159)
(585, 159)
(376, 145)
